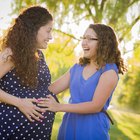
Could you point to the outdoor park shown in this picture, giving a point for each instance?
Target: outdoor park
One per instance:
(71, 18)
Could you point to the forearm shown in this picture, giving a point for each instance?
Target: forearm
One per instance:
(57, 89)
(81, 108)
(60, 84)
(53, 89)
(9, 99)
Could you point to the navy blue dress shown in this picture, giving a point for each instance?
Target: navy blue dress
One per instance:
(13, 123)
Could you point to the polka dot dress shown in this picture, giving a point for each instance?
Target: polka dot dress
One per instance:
(13, 124)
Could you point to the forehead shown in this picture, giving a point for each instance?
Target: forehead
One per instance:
(90, 32)
(48, 25)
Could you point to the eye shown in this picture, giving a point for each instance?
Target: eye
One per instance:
(48, 31)
(92, 38)
(82, 37)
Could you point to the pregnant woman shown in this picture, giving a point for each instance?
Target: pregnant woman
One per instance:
(24, 77)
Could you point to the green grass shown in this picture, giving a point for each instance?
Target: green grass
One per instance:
(126, 127)
(57, 122)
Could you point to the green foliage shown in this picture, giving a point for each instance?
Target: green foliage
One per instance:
(130, 94)
(113, 13)
(122, 15)
(60, 55)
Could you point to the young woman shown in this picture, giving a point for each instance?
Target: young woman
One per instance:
(24, 77)
(91, 84)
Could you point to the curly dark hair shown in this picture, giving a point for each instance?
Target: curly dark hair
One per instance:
(21, 38)
(107, 50)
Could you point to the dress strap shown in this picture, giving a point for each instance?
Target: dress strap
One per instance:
(105, 112)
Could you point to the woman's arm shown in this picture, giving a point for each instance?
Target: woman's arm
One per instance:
(60, 84)
(106, 85)
(26, 106)
(6, 65)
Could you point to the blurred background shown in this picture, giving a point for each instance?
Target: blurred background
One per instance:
(71, 18)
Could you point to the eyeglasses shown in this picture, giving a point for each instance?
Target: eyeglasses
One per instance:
(88, 38)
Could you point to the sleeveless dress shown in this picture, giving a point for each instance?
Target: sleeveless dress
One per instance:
(93, 126)
(13, 124)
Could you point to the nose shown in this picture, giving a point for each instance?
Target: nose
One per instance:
(84, 42)
(50, 36)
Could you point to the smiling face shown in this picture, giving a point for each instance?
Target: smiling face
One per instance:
(90, 43)
(44, 35)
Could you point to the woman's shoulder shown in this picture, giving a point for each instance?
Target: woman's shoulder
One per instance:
(5, 55)
(75, 67)
(110, 66)
(5, 61)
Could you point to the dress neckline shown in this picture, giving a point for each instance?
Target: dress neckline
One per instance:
(90, 77)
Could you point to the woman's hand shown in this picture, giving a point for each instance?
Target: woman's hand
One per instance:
(30, 110)
(49, 103)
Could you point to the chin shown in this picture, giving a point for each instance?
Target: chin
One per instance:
(42, 47)
(88, 57)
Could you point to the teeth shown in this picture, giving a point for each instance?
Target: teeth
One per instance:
(86, 49)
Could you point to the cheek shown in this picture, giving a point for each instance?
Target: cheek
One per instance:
(41, 38)
(93, 46)
(38, 38)
(94, 50)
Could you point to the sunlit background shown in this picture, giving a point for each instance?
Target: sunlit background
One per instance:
(71, 18)
(6, 17)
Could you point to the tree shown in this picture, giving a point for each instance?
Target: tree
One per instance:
(122, 15)
(111, 12)
(130, 94)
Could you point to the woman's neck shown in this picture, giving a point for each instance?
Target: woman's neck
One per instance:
(93, 63)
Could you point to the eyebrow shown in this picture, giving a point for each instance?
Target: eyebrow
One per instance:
(50, 28)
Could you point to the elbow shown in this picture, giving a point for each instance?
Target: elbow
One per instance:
(96, 108)
(50, 88)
